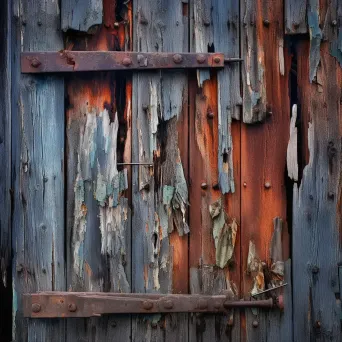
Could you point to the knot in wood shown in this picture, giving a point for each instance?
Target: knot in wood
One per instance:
(255, 323)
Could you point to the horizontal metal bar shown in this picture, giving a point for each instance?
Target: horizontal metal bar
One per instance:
(88, 304)
(73, 61)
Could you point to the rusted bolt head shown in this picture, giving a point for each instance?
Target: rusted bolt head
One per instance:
(266, 22)
(267, 185)
(334, 23)
(116, 24)
(202, 304)
(210, 115)
(168, 304)
(35, 63)
(36, 307)
(204, 186)
(217, 59)
(244, 184)
(201, 58)
(177, 58)
(72, 307)
(126, 61)
(255, 323)
(280, 302)
(147, 305)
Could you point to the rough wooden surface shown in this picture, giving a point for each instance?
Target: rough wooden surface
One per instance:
(316, 202)
(263, 160)
(98, 213)
(160, 194)
(81, 15)
(295, 16)
(38, 169)
(5, 174)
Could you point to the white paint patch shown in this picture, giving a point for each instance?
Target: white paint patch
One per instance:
(281, 56)
(292, 163)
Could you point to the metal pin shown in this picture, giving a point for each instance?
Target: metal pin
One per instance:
(268, 290)
(231, 60)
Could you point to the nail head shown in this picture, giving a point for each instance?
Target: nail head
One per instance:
(36, 307)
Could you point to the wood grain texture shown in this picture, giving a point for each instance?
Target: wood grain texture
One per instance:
(295, 16)
(38, 169)
(263, 160)
(316, 205)
(5, 174)
(160, 195)
(81, 15)
(98, 213)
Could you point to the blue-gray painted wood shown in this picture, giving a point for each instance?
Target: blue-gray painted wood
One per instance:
(81, 15)
(295, 16)
(316, 213)
(215, 28)
(159, 99)
(38, 169)
(253, 69)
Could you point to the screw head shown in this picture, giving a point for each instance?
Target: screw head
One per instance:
(217, 59)
(177, 58)
(72, 307)
(255, 323)
(116, 24)
(126, 61)
(201, 58)
(210, 114)
(204, 186)
(147, 305)
(266, 22)
(168, 304)
(267, 185)
(35, 63)
(244, 184)
(36, 307)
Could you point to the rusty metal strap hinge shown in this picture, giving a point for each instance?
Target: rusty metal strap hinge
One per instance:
(76, 61)
(89, 304)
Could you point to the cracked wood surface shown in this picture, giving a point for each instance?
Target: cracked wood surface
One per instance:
(98, 213)
(38, 169)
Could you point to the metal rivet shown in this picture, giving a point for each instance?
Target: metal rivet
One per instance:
(177, 58)
(267, 185)
(35, 63)
(201, 58)
(147, 305)
(210, 114)
(217, 59)
(36, 307)
(126, 61)
(334, 23)
(204, 186)
(244, 184)
(255, 323)
(116, 24)
(168, 304)
(202, 304)
(72, 307)
(266, 22)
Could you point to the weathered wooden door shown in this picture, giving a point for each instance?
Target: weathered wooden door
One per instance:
(178, 181)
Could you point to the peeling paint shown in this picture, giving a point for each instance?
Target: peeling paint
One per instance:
(281, 56)
(276, 253)
(292, 162)
(224, 234)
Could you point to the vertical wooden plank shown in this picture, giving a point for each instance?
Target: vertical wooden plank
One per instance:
(38, 169)
(317, 200)
(5, 174)
(98, 211)
(215, 168)
(263, 160)
(295, 16)
(160, 194)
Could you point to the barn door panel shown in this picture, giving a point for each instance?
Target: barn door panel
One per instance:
(98, 131)
(160, 193)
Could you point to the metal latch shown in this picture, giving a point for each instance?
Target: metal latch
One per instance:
(89, 304)
(76, 61)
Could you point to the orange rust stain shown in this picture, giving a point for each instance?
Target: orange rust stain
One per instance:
(146, 227)
(84, 209)
(146, 276)
(88, 269)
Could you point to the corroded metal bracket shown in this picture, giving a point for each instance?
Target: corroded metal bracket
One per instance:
(76, 61)
(89, 304)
